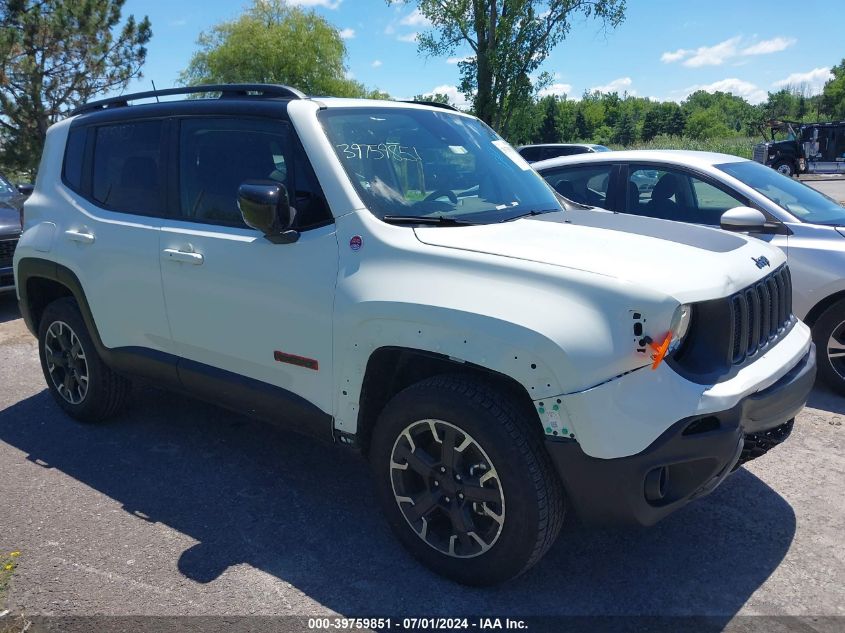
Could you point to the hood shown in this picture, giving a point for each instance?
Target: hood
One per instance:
(10, 220)
(687, 262)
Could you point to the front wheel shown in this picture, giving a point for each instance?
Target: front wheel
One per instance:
(829, 337)
(465, 481)
(784, 167)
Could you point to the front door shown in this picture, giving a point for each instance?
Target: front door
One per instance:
(243, 309)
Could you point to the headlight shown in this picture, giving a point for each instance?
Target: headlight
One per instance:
(680, 326)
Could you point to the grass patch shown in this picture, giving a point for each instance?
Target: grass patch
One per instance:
(9, 623)
(8, 562)
(737, 146)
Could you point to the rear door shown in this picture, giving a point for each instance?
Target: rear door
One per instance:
(109, 238)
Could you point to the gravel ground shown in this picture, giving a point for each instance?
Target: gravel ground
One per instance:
(179, 508)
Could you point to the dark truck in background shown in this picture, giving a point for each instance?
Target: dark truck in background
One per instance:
(809, 148)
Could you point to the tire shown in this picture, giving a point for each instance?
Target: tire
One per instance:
(785, 167)
(829, 337)
(504, 463)
(77, 377)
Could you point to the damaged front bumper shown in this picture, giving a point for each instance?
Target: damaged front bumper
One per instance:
(688, 460)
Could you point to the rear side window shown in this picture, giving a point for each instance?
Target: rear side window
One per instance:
(554, 152)
(531, 153)
(587, 185)
(74, 157)
(127, 170)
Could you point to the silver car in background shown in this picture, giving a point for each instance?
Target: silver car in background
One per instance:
(737, 195)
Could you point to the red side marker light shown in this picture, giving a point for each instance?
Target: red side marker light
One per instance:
(299, 361)
(660, 350)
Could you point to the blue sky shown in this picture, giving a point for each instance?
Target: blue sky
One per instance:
(664, 49)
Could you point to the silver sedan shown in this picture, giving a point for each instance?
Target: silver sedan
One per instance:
(737, 195)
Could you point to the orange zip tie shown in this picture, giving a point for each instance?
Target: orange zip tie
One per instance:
(660, 350)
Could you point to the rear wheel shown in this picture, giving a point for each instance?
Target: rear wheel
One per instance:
(77, 377)
(829, 337)
(465, 481)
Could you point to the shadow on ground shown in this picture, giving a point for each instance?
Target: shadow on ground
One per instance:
(9, 307)
(305, 512)
(822, 397)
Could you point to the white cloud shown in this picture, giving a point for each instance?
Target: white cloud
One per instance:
(673, 56)
(458, 60)
(376, 63)
(415, 18)
(623, 84)
(814, 80)
(738, 87)
(178, 22)
(774, 45)
(410, 37)
(556, 89)
(718, 54)
(349, 74)
(328, 4)
(456, 97)
(347, 34)
(713, 55)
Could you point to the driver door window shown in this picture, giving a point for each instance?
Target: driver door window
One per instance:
(670, 194)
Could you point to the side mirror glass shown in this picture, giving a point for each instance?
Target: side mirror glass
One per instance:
(25, 188)
(741, 219)
(265, 207)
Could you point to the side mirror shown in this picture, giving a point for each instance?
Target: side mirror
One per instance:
(265, 207)
(742, 219)
(25, 188)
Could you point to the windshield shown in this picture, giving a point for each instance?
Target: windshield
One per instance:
(805, 203)
(601, 148)
(426, 163)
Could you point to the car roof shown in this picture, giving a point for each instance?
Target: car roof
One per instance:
(558, 145)
(672, 156)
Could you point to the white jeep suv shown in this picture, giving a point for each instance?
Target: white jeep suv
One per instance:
(394, 277)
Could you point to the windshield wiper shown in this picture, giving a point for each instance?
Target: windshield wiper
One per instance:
(434, 220)
(529, 214)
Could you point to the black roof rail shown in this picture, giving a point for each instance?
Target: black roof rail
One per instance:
(225, 90)
(433, 104)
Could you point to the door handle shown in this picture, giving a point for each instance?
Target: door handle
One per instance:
(187, 257)
(80, 237)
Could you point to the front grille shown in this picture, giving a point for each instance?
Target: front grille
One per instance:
(7, 250)
(760, 313)
(726, 333)
(759, 154)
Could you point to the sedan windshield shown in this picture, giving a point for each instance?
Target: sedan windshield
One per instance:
(430, 164)
(805, 203)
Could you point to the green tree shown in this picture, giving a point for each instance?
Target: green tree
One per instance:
(509, 39)
(437, 97)
(833, 94)
(624, 132)
(704, 124)
(549, 132)
(57, 54)
(582, 130)
(651, 124)
(275, 43)
(673, 119)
